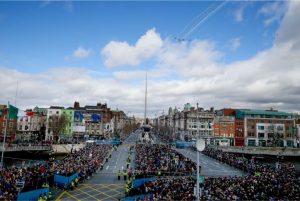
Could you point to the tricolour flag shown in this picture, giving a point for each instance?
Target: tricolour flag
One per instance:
(29, 113)
(13, 112)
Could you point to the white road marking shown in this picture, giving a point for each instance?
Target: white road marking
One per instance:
(122, 167)
(107, 167)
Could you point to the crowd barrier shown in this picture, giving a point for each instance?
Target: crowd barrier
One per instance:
(139, 182)
(113, 142)
(33, 195)
(133, 198)
(183, 144)
(63, 181)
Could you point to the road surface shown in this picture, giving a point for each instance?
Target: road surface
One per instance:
(210, 166)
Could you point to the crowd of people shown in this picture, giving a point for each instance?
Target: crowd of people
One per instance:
(164, 137)
(262, 182)
(157, 159)
(84, 161)
(180, 188)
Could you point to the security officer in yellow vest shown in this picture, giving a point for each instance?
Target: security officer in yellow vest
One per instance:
(45, 197)
(126, 190)
(119, 174)
(76, 181)
(50, 195)
(40, 198)
(45, 185)
(73, 185)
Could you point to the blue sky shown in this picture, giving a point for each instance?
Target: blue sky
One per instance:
(35, 37)
(98, 51)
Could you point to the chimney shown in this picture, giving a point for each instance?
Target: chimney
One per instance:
(76, 105)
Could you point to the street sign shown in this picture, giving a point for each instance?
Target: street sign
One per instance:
(201, 179)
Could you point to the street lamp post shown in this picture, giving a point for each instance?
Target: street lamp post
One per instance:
(200, 145)
(198, 162)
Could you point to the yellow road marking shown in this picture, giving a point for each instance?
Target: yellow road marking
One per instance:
(114, 190)
(58, 198)
(65, 192)
(118, 189)
(89, 195)
(109, 196)
(87, 191)
(72, 196)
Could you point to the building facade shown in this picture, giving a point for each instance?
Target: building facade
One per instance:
(53, 114)
(11, 128)
(69, 127)
(224, 130)
(31, 127)
(264, 128)
(190, 123)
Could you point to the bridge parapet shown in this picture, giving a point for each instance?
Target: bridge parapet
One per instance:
(283, 151)
(25, 148)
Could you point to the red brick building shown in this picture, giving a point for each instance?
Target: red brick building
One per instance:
(12, 125)
(224, 130)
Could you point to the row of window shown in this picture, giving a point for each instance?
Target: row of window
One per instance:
(271, 127)
(201, 126)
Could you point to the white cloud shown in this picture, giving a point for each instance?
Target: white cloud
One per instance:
(235, 43)
(117, 53)
(238, 14)
(184, 72)
(273, 12)
(81, 53)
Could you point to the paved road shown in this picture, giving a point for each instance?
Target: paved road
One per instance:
(210, 166)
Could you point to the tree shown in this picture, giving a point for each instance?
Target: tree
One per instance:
(42, 133)
(57, 124)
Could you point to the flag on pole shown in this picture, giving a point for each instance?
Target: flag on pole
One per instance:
(29, 113)
(13, 112)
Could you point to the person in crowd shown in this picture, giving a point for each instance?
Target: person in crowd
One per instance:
(262, 182)
(162, 159)
(179, 188)
(85, 162)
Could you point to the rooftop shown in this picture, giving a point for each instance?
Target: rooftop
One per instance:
(265, 112)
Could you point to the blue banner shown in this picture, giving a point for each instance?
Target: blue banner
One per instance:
(63, 181)
(113, 142)
(33, 195)
(133, 198)
(139, 182)
(95, 118)
(78, 116)
(183, 144)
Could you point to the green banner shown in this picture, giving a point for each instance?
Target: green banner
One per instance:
(292, 131)
(13, 112)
